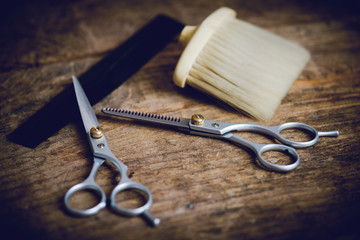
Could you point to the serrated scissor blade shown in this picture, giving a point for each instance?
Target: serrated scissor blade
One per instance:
(149, 117)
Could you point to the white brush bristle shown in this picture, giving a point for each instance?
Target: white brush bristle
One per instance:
(247, 67)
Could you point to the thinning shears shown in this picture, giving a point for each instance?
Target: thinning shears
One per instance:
(197, 125)
(102, 152)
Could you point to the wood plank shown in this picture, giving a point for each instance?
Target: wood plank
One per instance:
(202, 188)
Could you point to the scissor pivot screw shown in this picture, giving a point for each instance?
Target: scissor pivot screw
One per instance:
(96, 132)
(197, 119)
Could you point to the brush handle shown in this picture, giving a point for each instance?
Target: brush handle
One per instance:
(187, 33)
(99, 81)
(196, 38)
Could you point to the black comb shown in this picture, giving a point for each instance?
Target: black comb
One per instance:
(99, 80)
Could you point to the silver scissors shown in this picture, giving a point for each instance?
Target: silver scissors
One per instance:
(101, 152)
(197, 125)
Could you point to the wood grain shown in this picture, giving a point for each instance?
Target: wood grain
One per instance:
(202, 188)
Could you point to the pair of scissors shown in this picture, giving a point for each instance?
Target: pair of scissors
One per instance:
(197, 125)
(102, 152)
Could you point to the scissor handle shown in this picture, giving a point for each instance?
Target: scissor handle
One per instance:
(219, 129)
(276, 130)
(124, 184)
(88, 184)
(127, 184)
(260, 149)
(296, 125)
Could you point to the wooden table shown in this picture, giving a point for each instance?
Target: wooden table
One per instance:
(202, 188)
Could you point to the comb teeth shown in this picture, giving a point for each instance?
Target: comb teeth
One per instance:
(135, 114)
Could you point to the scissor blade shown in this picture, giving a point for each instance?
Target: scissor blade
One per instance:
(87, 114)
(182, 123)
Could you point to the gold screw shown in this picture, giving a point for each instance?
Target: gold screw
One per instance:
(96, 132)
(197, 119)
